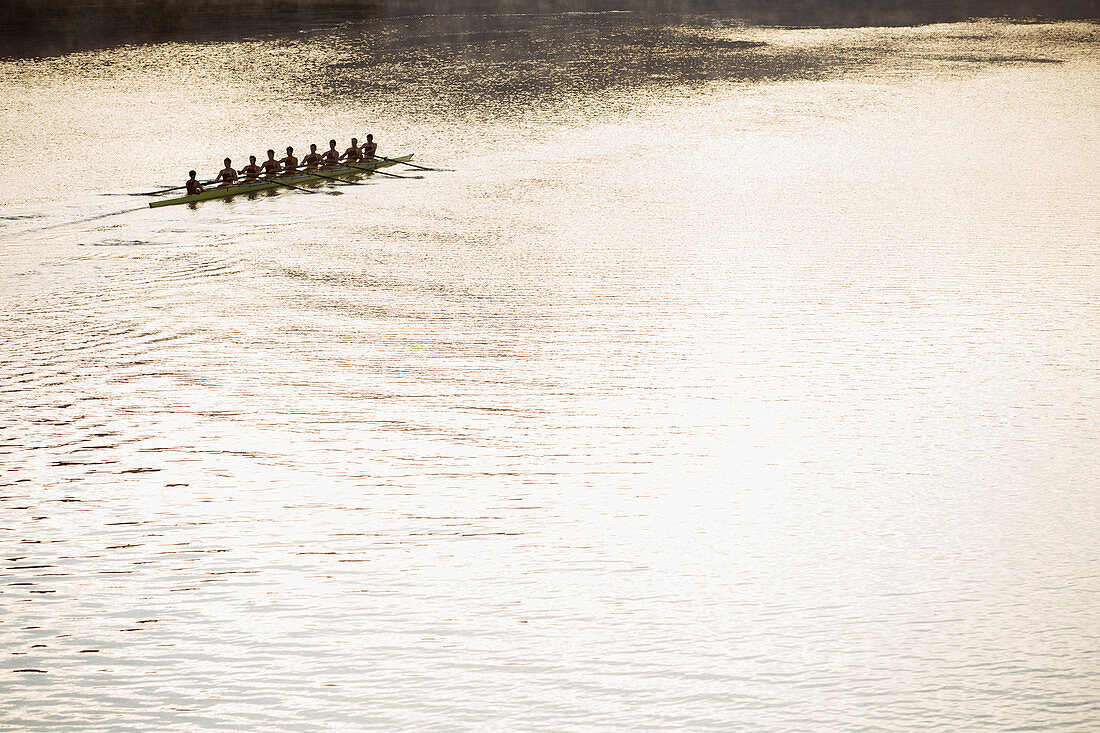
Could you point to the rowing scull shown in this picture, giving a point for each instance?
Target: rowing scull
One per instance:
(344, 171)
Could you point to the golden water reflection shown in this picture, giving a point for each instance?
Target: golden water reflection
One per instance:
(693, 402)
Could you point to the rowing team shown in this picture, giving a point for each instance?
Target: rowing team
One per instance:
(288, 166)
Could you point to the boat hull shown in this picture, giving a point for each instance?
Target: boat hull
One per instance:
(299, 179)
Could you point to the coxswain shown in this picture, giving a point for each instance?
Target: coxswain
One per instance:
(228, 174)
(193, 185)
(251, 172)
(270, 166)
(331, 156)
(369, 148)
(312, 160)
(289, 163)
(351, 155)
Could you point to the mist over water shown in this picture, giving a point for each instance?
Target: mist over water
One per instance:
(738, 377)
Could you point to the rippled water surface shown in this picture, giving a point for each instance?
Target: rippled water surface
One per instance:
(736, 378)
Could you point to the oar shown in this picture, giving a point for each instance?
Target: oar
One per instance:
(375, 170)
(334, 179)
(383, 173)
(414, 165)
(166, 190)
(299, 188)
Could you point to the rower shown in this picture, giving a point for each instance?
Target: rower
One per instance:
(369, 148)
(313, 159)
(193, 185)
(332, 155)
(251, 172)
(352, 153)
(270, 166)
(289, 163)
(228, 174)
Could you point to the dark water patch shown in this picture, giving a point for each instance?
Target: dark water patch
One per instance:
(29, 567)
(486, 64)
(30, 28)
(118, 243)
(344, 279)
(1002, 60)
(38, 28)
(792, 13)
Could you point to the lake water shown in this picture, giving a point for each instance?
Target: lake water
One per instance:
(736, 378)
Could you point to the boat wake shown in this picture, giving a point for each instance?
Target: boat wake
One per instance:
(15, 232)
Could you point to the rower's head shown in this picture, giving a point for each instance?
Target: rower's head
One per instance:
(370, 137)
(252, 159)
(332, 143)
(270, 153)
(354, 141)
(313, 147)
(192, 173)
(227, 162)
(289, 150)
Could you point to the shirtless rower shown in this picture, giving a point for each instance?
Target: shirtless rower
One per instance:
(270, 166)
(289, 163)
(251, 172)
(312, 160)
(227, 175)
(369, 148)
(193, 185)
(351, 155)
(331, 156)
